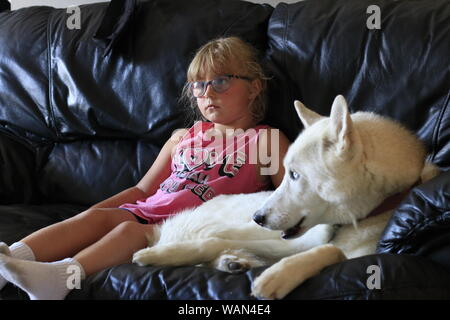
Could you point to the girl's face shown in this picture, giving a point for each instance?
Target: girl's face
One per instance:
(230, 108)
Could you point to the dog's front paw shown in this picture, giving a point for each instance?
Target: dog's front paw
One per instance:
(143, 257)
(274, 283)
(162, 255)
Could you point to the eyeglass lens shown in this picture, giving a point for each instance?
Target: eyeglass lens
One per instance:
(219, 85)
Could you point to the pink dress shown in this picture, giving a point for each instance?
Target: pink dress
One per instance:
(204, 165)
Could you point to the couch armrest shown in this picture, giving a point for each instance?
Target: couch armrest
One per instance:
(421, 224)
(17, 163)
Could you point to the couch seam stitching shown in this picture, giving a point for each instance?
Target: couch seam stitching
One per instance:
(52, 120)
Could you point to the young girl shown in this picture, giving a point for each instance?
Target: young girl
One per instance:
(226, 88)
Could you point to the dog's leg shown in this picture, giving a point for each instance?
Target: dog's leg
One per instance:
(281, 278)
(205, 250)
(181, 253)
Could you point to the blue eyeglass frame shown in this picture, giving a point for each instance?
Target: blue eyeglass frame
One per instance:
(207, 83)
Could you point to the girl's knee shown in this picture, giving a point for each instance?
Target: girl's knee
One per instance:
(109, 218)
(129, 229)
(141, 235)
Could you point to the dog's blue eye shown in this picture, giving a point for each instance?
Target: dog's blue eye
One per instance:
(294, 175)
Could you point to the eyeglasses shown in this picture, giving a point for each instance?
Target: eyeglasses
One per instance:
(219, 84)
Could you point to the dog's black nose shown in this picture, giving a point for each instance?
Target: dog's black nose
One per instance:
(259, 217)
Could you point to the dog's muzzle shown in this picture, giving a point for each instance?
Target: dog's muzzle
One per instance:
(260, 217)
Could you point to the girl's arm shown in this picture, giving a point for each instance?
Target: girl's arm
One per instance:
(149, 184)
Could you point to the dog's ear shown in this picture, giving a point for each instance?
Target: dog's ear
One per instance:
(340, 124)
(307, 116)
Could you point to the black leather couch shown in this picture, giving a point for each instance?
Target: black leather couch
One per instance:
(83, 113)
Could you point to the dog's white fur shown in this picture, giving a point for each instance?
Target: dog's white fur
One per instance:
(221, 233)
(337, 171)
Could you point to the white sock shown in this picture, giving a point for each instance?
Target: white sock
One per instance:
(43, 280)
(17, 250)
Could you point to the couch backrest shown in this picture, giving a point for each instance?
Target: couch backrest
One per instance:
(402, 70)
(83, 113)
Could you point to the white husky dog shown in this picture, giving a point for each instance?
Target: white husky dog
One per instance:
(341, 169)
(337, 171)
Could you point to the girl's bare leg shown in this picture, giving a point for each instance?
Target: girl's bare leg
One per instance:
(117, 247)
(67, 238)
(42, 280)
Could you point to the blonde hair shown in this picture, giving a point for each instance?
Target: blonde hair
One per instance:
(218, 57)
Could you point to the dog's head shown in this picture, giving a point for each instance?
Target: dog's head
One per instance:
(336, 172)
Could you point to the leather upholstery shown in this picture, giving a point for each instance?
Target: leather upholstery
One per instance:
(83, 114)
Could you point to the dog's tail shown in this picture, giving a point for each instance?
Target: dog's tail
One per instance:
(429, 171)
